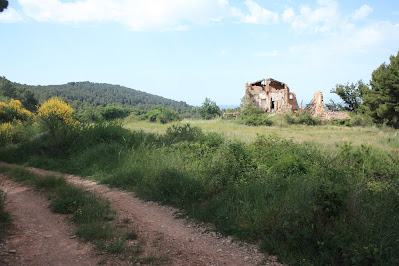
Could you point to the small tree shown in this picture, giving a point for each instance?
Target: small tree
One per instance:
(351, 95)
(209, 110)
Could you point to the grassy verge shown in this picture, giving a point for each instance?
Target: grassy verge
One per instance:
(307, 204)
(5, 217)
(92, 215)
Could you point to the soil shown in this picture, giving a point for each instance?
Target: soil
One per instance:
(40, 237)
(37, 236)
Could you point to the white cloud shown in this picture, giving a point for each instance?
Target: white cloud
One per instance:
(362, 12)
(288, 15)
(10, 15)
(138, 15)
(321, 19)
(351, 42)
(263, 54)
(223, 52)
(258, 14)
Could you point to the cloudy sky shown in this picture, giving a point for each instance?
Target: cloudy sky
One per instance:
(191, 49)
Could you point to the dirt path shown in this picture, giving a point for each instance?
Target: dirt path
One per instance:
(184, 243)
(38, 236)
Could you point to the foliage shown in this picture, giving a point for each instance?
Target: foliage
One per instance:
(209, 110)
(8, 91)
(55, 116)
(333, 106)
(3, 5)
(256, 120)
(161, 115)
(248, 109)
(13, 132)
(381, 101)
(303, 118)
(113, 112)
(177, 133)
(304, 203)
(81, 94)
(88, 115)
(252, 116)
(14, 111)
(350, 94)
(5, 217)
(359, 120)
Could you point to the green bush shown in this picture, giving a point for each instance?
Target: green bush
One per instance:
(340, 122)
(185, 132)
(161, 115)
(256, 120)
(303, 118)
(113, 112)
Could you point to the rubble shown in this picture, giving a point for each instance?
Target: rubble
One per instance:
(270, 95)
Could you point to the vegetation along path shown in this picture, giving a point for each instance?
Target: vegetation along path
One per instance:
(183, 242)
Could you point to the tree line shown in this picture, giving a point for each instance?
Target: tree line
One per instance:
(379, 99)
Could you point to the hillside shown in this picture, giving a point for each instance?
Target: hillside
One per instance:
(80, 94)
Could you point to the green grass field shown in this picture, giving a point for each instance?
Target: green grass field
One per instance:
(325, 135)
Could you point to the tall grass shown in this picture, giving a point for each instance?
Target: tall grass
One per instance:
(302, 202)
(5, 217)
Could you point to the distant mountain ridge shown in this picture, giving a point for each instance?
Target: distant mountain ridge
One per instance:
(80, 94)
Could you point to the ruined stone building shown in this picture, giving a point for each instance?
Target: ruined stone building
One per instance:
(270, 95)
(316, 106)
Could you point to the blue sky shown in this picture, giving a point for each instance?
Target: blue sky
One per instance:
(191, 49)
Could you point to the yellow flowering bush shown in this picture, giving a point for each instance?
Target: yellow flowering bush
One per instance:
(14, 111)
(11, 132)
(55, 116)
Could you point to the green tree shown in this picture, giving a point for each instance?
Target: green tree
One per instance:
(29, 101)
(381, 101)
(113, 112)
(209, 110)
(7, 89)
(351, 95)
(3, 5)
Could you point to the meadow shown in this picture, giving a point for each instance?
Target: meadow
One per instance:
(328, 136)
(310, 194)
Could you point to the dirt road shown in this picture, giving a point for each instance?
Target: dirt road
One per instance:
(183, 242)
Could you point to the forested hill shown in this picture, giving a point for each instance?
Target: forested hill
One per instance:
(80, 94)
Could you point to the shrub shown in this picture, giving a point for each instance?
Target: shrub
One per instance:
(15, 132)
(362, 120)
(55, 116)
(177, 133)
(303, 118)
(340, 122)
(256, 120)
(113, 112)
(14, 111)
(161, 115)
